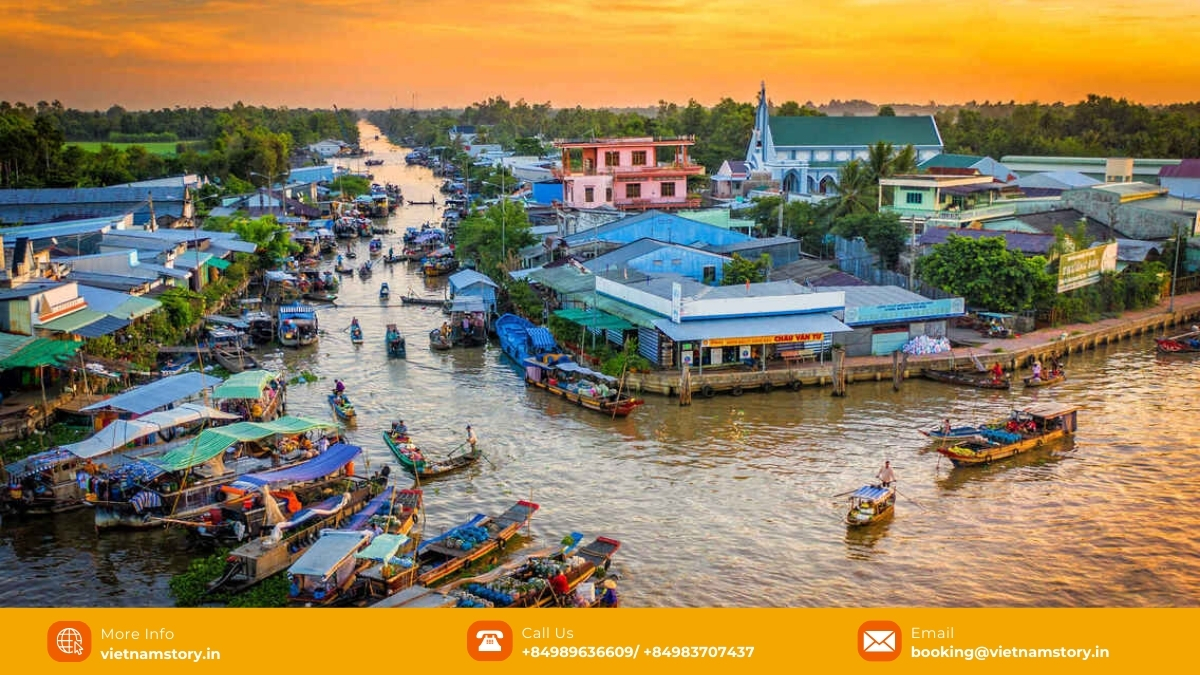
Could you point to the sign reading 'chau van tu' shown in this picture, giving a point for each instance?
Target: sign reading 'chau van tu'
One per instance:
(1083, 268)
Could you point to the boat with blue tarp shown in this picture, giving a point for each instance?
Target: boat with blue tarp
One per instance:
(871, 504)
(559, 375)
(298, 325)
(1025, 429)
(521, 339)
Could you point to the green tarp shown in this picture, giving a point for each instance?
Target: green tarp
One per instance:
(212, 442)
(593, 319)
(218, 263)
(41, 352)
(248, 384)
(135, 307)
(73, 321)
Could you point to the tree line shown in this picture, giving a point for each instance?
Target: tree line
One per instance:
(36, 142)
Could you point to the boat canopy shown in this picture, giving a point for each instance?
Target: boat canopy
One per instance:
(467, 303)
(122, 432)
(212, 442)
(382, 548)
(143, 399)
(542, 339)
(320, 466)
(1049, 410)
(871, 493)
(568, 366)
(362, 518)
(297, 311)
(248, 384)
(38, 463)
(279, 275)
(230, 321)
(323, 558)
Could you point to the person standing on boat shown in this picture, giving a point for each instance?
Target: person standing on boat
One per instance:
(886, 475)
(339, 387)
(1037, 370)
(471, 440)
(610, 599)
(560, 585)
(997, 372)
(322, 445)
(946, 428)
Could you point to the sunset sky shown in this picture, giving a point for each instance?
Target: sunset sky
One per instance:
(384, 53)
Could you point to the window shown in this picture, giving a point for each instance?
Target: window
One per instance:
(667, 189)
(608, 194)
(676, 262)
(633, 190)
(913, 198)
(658, 263)
(710, 274)
(589, 194)
(638, 158)
(612, 158)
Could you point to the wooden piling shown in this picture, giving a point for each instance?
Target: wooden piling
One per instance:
(839, 372)
(685, 386)
(899, 365)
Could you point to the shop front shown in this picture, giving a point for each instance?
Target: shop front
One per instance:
(750, 341)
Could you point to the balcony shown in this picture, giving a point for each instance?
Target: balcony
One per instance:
(662, 203)
(628, 172)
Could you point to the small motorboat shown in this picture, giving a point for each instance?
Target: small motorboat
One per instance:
(356, 333)
(384, 291)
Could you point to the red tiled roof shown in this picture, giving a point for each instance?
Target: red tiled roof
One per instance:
(1188, 168)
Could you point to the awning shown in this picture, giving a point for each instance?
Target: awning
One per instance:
(320, 466)
(382, 548)
(136, 307)
(871, 493)
(594, 319)
(332, 548)
(248, 384)
(103, 326)
(218, 263)
(123, 432)
(143, 399)
(212, 442)
(795, 327)
(467, 303)
(73, 321)
(41, 352)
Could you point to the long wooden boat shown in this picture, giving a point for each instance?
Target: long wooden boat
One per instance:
(414, 461)
(412, 299)
(871, 504)
(385, 291)
(343, 409)
(298, 325)
(520, 339)
(234, 361)
(440, 267)
(1179, 344)
(457, 548)
(1026, 429)
(325, 575)
(267, 556)
(1047, 380)
(356, 334)
(982, 380)
(393, 258)
(439, 342)
(589, 389)
(395, 342)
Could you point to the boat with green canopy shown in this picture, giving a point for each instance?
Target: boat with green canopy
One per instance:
(257, 395)
(184, 481)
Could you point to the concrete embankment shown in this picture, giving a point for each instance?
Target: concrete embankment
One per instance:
(1013, 353)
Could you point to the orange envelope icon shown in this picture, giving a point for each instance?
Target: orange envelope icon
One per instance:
(879, 641)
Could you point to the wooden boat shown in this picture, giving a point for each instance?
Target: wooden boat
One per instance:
(376, 247)
(374, 162)
(1179, 344)
(320, 296)
(561, 376)
(983, 380)
(325, 574)
(438, 557)
(266, 556)
(529, 585)
(342, 268)
(384, 291)
(871, 504)
(954, 433)
(439, 342)
(177, 364)
(298, 325)
(412, 460)
(351, 253)
(414, 299)
(343, 409)
(1026, 429)
(356, 333)
(395, 342)
(365, 270)
(235, 361)
(1046, 381)
(431, 202)
(394, 258)
(440, 267)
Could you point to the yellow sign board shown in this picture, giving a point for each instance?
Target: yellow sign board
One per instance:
(786, 338)
(1083, 268)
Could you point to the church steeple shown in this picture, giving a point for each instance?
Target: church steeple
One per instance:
(756, 154)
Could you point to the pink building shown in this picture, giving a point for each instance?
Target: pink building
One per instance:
(627, 173)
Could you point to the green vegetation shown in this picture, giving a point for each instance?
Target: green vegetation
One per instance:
(741, 270)
(190, 589)
(625, 360)
(161, 148)
(503, 226)
(350, 186)
(274, 241)
(53, 436)
(986, 274)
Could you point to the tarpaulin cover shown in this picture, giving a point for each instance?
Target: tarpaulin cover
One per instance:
(37, 463)
(382, 548)
(360, 519)
(41, 352)
(105, 325)
(212, 442)
(542, 339)
(323, 557)
(143, 399)
(248, 384)
(122, 432)
(320, 466)
(870, 492)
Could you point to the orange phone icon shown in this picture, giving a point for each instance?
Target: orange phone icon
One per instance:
(489, 640)
(69, 641)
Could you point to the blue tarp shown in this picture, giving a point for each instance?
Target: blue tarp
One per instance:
(141, 400)
(542, 339)
(870, 492)
(333, 547)
(322, 465)
(360, 520)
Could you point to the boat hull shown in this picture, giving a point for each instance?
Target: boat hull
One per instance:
(620, 408)
(954, 377)
(999, 452)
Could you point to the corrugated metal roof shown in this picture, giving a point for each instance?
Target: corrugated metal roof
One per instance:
(157, 394)
(26, 290)
(757, 243)
(853, 131)
(91, 195)
(469, 278)
(115, 303)
(1188, 168)
(11, 344)
(751, 327)
(564, 279)
(948, 160)
(73, 321)
(103, 326)
(1037, 244)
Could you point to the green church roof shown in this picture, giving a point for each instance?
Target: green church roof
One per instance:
(853, 131)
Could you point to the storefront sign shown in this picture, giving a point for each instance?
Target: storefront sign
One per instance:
(765, 340)
(1083, 268)
(903, 312)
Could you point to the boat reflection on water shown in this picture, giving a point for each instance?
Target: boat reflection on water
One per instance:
(861, 542)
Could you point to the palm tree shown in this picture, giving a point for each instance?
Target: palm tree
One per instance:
(855, 189)
(884, 161)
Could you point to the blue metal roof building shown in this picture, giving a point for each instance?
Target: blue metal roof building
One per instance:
(650, 256)
(664, 227)
(470, 282)
(548, 191)
(46, 205)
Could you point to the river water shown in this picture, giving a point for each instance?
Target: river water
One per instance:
(730, 502)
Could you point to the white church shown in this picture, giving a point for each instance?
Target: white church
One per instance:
(806, 153)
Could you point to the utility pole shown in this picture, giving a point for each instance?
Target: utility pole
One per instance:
(1174, 271)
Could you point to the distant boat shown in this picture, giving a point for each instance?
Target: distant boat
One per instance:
(871, 504)
(384, 291)
(395, 342)
(356, 333)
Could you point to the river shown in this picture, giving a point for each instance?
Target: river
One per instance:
(729, 502)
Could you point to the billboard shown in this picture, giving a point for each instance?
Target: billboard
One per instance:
(1083, 268)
